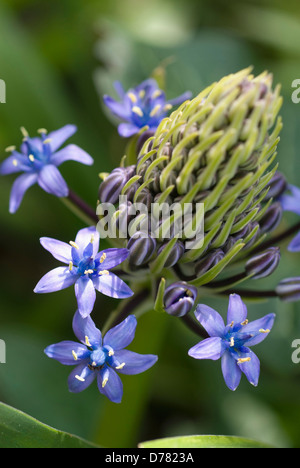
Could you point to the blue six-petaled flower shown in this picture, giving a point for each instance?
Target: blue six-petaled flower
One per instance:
(232, 342)
(99, 358)
(87, 269)
(39, 159)
(145, 105)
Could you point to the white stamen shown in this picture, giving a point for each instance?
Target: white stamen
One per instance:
(155, 110)
(111, 352)
(132, 97)
(71, 266)
(31, 157)
(232, 342)
(168, 107)
(121, 366)
(87, 342)
(75, 356)
(242, 360)
(103, 272)
(89, 272)
(142, 93)
(24, 132)
(92, 239)
(264, 331)
(15, 162)
(73, 244)
(156, 94)
(42, 130)
(79, 378)
(9, 149)
(104, 382)
(103, 257)
(137, 110)
(48, 140)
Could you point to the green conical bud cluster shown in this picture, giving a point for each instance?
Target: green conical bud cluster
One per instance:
(218, 149)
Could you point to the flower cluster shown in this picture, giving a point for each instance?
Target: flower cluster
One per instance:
(216, 150)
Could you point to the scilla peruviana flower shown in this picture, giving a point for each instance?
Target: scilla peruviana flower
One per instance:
(145, 105)
(39, 159)
(101, 359)
(87, 269)
(232, 342)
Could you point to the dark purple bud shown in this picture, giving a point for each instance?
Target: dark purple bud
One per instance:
(142, 140)
(112, 186)
(179, 299)
(264, 264)
(145, 197)
(271, 219)
(288, 290)
(208, 262)
(278, 186)
(141, 247)
(175, 254)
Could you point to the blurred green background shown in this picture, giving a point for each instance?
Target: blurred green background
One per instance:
(58, 57)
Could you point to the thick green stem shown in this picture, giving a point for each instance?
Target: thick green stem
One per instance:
(80, 208)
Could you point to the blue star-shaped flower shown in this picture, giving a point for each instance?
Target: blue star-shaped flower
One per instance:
(232, 342)
(39, 159)
(145, 105)
(99, 358)
(87, 269)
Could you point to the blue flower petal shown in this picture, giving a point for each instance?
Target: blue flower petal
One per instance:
(121, 335)
(71, 153)
(127, 130)
(59, 250)
(13, 164)
(237, 310)
(81, 378)
(211, 320)
(110, 384)
(112, 258)
(67, 352)
(259, 329)
(112, 286)
(84, 237)
(56, 280)
(116, 108)
(19, 188)
(85, 328)
(51, 180)
(134, 363)
(231, 372)
(86, 295)
(211, 348)
(294, 246)
(59, 137)
(251, 368)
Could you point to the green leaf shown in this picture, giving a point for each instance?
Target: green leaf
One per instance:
(206, 441)
(18, 430)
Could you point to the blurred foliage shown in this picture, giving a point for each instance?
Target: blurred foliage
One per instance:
(58, 57)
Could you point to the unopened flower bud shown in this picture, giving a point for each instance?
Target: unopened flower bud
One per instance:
(179, 299)
(175, 254)
(112, 186)
(288, 290)
(278, 186)
(271, 219)
(209, 261)
(264, 264)
(141, 248)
